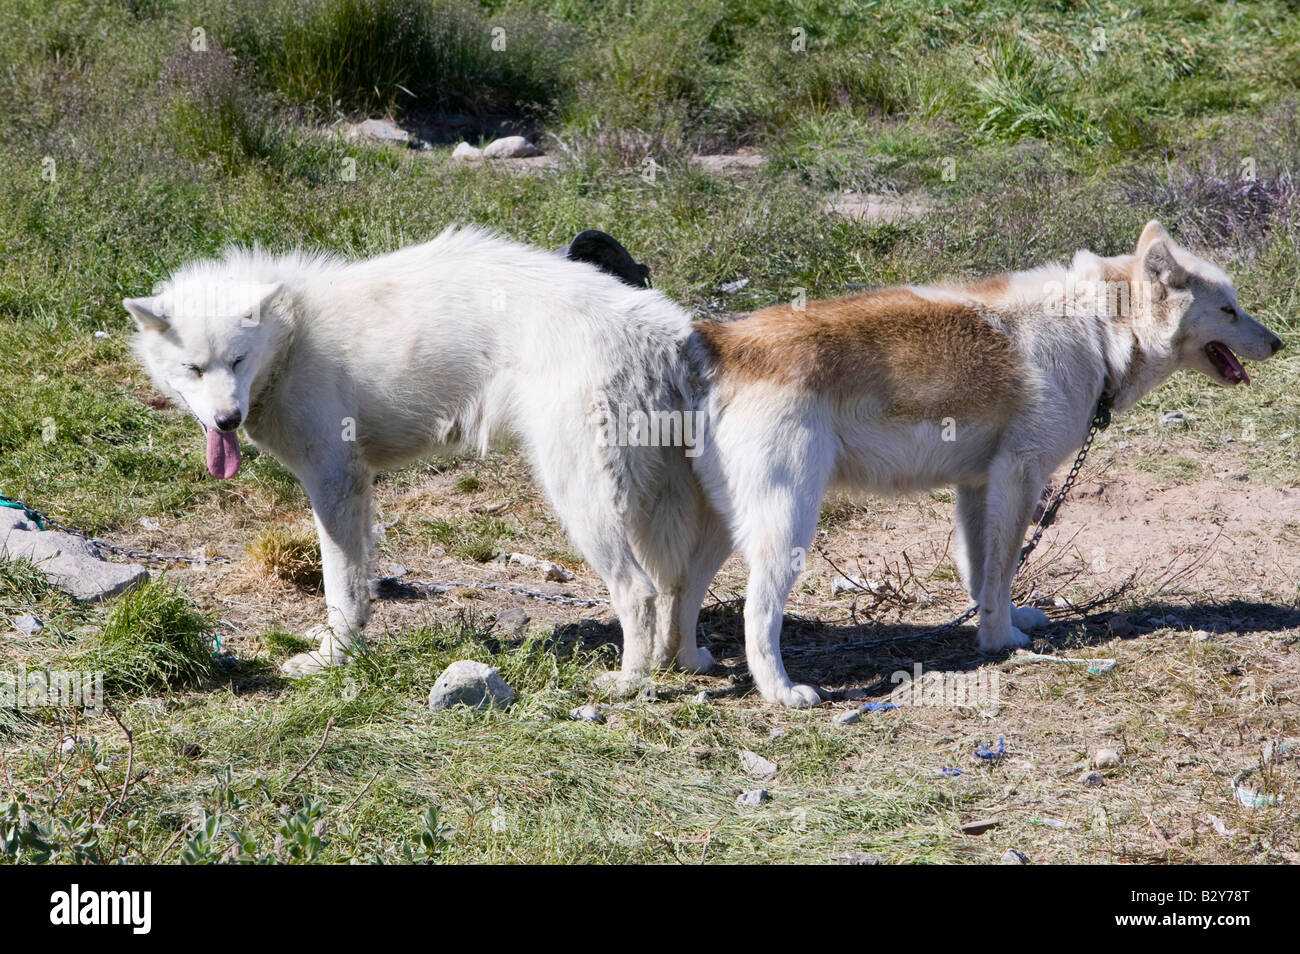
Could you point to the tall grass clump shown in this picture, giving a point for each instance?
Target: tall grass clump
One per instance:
(154, 640)
(358, 55)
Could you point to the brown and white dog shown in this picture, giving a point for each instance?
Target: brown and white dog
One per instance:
(988, 387)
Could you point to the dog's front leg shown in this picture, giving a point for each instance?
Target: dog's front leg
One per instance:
(1013, 488)
(341, 506)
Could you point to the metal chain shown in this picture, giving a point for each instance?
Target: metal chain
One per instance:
(1100, 421)
(43, 521)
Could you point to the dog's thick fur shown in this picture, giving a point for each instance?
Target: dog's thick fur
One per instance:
(341, 369)
(988, 387)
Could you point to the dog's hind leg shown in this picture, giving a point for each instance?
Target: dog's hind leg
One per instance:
(777, 472)
(711, 550)
(341, 506)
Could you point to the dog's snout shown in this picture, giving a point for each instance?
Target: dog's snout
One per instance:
(1276, 344)
(228, 422)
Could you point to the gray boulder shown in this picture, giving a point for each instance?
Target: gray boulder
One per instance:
(469, 683)
(70, 563)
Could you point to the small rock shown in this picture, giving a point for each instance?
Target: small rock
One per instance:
(1119, 626)
(700, 698)
(1105, 758)
(464, 152)
(71, 743)
(587, 713)
(28, 625)
(513, 621)
(857, 858)
(382, 130)
(510, 147)
(1173, 419)
(979, 827)
(101, 334)
(470, 683)
(849, 717)
(556, 573)
(737, 285)
(1092, 779)
(757, 797)
(756, 765)
(149, 523)
(1014, 856)
(523, 559)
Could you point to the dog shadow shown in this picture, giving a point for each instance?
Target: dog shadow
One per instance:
(832, 656)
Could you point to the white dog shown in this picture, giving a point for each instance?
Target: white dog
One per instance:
(988, 387)
(341, 369)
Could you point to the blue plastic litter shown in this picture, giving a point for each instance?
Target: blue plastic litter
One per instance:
(950, 772)
(982, 751)
(879, 706)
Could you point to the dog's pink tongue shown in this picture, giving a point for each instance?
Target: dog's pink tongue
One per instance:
(223, 453)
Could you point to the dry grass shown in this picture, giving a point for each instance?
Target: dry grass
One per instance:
(289, 552)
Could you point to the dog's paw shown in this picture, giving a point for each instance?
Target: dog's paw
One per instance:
(1029, 617)
(698, 662)
(797, 696)
(990, 642)
(621, 685)
(305, 664)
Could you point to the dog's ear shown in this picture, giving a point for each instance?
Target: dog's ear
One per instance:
(260, 298)
(147, 313)
(1152, 232)
(1159, 266)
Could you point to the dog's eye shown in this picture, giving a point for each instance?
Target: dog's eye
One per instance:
(1230, 311)
(195, 370)
(234, 364)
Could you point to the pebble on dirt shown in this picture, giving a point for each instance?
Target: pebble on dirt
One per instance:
(513, 621)
(848, 717)
(857, 858)
(1014, 856)
(470, 683)
(757, 797)
(1105, 758)
(28, 625)
(756, 765)
(979, 827)
(1092, 779)
(588, 713)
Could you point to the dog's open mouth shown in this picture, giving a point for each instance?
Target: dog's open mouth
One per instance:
(223, 453)
(1225, 362)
